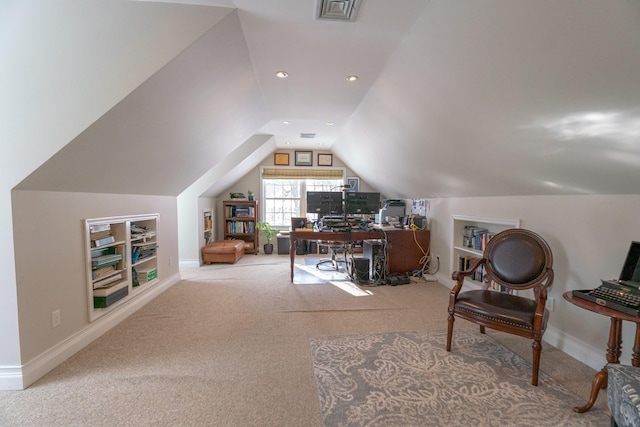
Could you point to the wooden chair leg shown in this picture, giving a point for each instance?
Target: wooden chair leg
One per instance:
(482, 330)
(450, 321)
(537, 349)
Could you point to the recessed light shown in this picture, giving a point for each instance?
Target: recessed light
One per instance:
(352, 78)
(330, 123)
(282, 74)
(286, 122)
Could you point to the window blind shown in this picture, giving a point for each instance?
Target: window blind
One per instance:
(284, 173)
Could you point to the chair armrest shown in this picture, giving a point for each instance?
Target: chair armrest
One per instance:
(459, 276)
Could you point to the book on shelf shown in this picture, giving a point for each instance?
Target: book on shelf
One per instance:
(102, 272)
(103, 260)
(231, 211)
(109, 282)
(103, 241)
(96, 228)
(240, 227)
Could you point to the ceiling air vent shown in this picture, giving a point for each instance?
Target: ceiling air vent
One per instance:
(336, 10)
(308, 135)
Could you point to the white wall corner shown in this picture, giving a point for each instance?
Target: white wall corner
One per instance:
(21, 377)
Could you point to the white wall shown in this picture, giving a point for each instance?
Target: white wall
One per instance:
(589, 237)
(62, 66)
(50, 258)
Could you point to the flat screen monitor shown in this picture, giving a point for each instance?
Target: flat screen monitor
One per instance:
(324, 202)
(360, 203)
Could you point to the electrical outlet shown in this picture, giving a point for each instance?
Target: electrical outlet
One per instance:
(550, 304)
(170, 261)
(56, 319)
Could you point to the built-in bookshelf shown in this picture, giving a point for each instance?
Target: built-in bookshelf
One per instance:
(207, 226)
(469, 236)
(240, 223)
(121, 260)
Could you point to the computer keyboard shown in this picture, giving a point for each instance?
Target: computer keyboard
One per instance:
(617, 299)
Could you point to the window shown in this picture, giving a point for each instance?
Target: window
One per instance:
(285, 198)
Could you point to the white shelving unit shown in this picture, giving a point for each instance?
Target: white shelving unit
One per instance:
(121, 260)
(207, 226)
(458, 247)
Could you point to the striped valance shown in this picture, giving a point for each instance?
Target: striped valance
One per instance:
(284, 173)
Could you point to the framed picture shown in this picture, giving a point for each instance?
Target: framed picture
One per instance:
(281, 159)
(354, 183)
(304, 158)
(325, 159)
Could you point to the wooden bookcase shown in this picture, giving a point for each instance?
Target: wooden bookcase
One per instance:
(240, 223)
(465, 247)
(121, 260)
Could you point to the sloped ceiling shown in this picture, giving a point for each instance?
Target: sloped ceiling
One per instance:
(171, 130)
(464, 98)
(498, 98)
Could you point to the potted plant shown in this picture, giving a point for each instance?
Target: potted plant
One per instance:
(269, 232)
(250, 195)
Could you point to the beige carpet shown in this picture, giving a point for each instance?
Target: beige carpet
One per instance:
(229, 346)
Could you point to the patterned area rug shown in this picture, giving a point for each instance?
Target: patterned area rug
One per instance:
(408, 379)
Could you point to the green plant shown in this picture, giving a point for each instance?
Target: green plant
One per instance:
(266, 229)
(249, 193)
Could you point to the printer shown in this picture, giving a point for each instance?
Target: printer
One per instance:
(392, 211)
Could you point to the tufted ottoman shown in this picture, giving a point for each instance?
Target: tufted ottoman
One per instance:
(223, 251)
(623, 395)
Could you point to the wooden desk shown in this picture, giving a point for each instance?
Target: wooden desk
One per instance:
(336, 236)
(614, 346)
(403, 251)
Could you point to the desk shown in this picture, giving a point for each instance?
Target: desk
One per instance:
(614, 346)
(336, 236)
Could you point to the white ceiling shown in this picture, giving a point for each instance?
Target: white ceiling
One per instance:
(455, 98)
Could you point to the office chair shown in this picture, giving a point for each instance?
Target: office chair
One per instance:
(335, 248)
(514, 259)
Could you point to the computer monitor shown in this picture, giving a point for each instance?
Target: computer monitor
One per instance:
(360, 203)
(324, 203)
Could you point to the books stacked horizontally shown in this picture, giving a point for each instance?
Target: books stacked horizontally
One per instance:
(100, 235)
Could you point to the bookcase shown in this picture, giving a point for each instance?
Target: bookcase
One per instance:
(207, 226)
(121, 260)
(240, 220)
(469, 235)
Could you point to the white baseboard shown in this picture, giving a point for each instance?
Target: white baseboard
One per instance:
(21, 377)
(590, 356)
(189, 263)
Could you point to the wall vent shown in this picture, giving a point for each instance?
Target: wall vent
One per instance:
(308, 135)
(336, 10)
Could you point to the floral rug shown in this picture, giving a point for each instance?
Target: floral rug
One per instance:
(408, 379)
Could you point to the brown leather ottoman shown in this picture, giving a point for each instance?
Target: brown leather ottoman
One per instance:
(228, 251)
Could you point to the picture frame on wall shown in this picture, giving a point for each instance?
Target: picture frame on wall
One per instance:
(281, 159)
(325, 159)
(304, 158)
(354, 183)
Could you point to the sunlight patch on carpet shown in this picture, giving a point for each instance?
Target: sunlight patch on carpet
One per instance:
(352, 289)
(323, 274)
(408, 379)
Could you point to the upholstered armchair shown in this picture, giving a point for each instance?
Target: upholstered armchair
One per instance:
(623, 395)
(513, 260)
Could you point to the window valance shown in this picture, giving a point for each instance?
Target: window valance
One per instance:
(284, 173)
